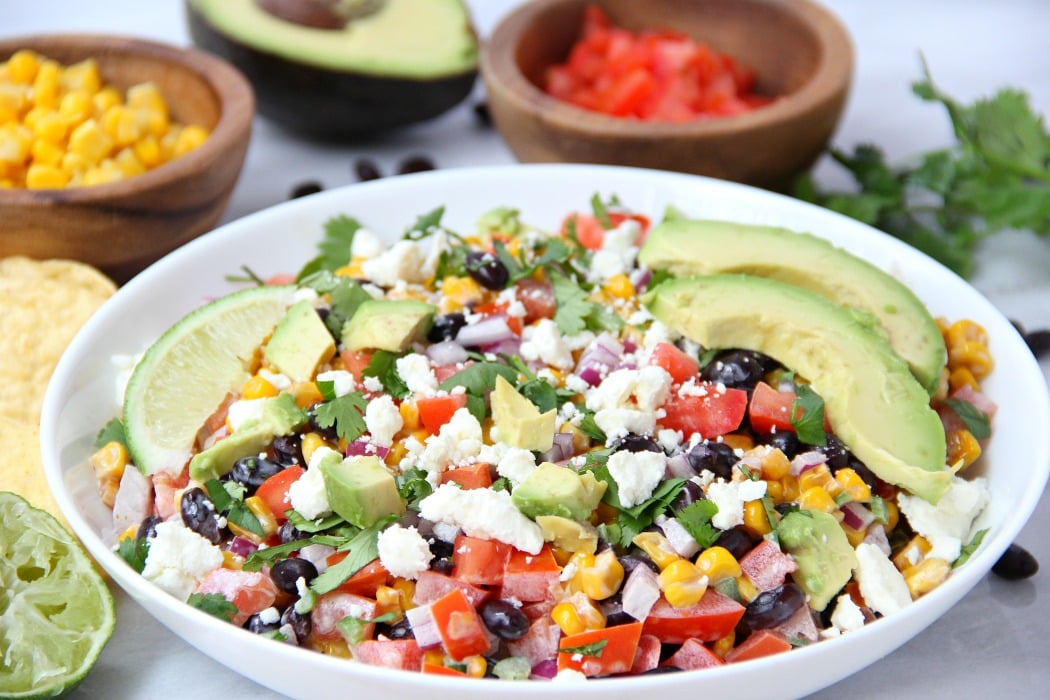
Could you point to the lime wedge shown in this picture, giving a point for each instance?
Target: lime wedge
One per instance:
(184, 376)
(56, 613)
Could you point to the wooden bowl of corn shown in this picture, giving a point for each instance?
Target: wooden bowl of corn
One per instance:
(115, 151)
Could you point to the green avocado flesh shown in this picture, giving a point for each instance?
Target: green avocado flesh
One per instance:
(702, 247)
(872, 401)
(421, 39)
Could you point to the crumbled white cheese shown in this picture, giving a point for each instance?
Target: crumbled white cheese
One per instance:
(881, 584)
(402, 262)
(307, 494)
(947, 525)
(403, 551)
(847, 617)
(483, 513)
(618, 422)
(458, 442)
(373, 384)
(414, 370)
(543, 342)
(342, 381)
(366, 244)
(636, 474)
(618, 252)
(516, 464)
(244, 411)
(276, 379)
(669, 440)
(179, 559)
(269, 616)
(383, 420)
(730, 497)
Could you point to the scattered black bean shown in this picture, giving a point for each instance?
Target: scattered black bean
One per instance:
(287, 450)
(148, 527)
(1038, 342)
(401, 629)
(1016, 563)
(636, 558)
(306, 188)
(612, 611)
(716, 457)
(504, 619)
(415, 164)
(440, 548)
(632, 442)
(487, 270)
(772, 607)
(289, 533)
(691, 492)
(198, 514)
(300, 623)
(251, 472)
(366, 169)
(784, 440)
(739, 369)
(446, 326)
(836, 451)
(737, 541)
(255, 625)
(287, 572)
(482, 113)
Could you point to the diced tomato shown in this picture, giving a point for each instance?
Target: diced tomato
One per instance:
(712, 618)
(770, 409)
(531, 577)
(589, 232)
(402, 654)
(459, 625)
(439, 670)
(693, 654)
(332, 607)
(977, 399)
(616, 655)
(479, 562)
(274, 491)
(445, 371)
(539, 643)
(680, 365)
(647, 656)
(472, 476)
(430, 585)
(249, 591)
(280, 278)
(759, 644)
(435, 411)
(165, 488)
(537, 298)
(366, 580)
(356, 362)
(766, 566)
(500, 308)
(713, 414)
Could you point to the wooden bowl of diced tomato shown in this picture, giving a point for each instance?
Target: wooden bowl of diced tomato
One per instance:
(743, 90)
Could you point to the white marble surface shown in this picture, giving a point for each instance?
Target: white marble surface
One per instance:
(991, 644)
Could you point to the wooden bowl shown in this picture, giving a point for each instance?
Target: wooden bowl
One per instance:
(800, 52)
(124, 226)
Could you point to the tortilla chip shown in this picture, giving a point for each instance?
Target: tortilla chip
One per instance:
(22, 470)
(42, 306)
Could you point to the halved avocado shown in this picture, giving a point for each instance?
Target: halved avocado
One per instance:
(702, 247)
(872, 401)
(343, 68)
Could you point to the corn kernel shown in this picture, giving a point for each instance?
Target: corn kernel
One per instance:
(51, 126)
(22, 66)
(434, 657)
(817, 476)
(852, 484)
(82, 77)
(109, 461)
(76, 106)
(657, 547)
(190, 138)
(262, 513)
(147, 150)
(738, 441)
(407, 589)
(816, 498)
(682, 583)
(231, 560)
(339, 648)
(775, 490)
(310, 442)
(306, 394)
(964, 331)
(926, 575)
(14, 100)
(775, 465)
(460, 291)
(128, 163)
(603, 577)
(912, 553)
(46, 86)
(723, 646)
(566, 617)
(258, 387)
(960, 377)
(44, 176)
(409, 415)
(477, 666)
(962, 447)
(15, 142)
(102, 174)
(105, 98)
(389, 599)
(619, 286)
(789, 486)
(973, 356)
(756, 520)
(717, 563)
(244, 533)
(89, 141)
(146, 96)
(746, 589)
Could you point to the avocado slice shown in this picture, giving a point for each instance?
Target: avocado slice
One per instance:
(387, 324)
(361, 490)
(874, 404)
(704, 247)
(825, 559)
(371, 66)
(519, 422)
(300, 343)
(554, 490)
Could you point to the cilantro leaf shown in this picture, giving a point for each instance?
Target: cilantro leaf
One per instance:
(334, 247)
(479, 379)
(573, 309)
(383, 366)
(362, 550)
(807, 416)
(301, 524)
(215, 604)
(413, 486)
(425, 225)
(134, 551)
(113, 431)
(346, 414)
(969, 548)
(346, 296)
(976, 420)
(594, 649)
(228, 498)
(601, 212)
(696, 519)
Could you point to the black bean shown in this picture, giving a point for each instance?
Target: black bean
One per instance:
(442, 566)
(1016, 563)
(306, 188)
(446, 326)
(504, 619)
(1038, 342)
(440, 548)
(739, 369)
(287, 572)
(837, 453)
(148, 527)
(612, 611)
(783, 440)
(299, 622)
(366, 169)
(716, 457)
(289, 533)
(690, 493)
(396, 630)
(415, 164)
(482, 113)
(287, 450)
(487, 270)
(251, 472)
(737, 541)
(633, 442)
(198, 514)
(636, 558)
(772, 607)
(255, 625)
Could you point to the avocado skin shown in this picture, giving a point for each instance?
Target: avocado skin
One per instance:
(327, 104)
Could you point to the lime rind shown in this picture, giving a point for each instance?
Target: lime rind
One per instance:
(56, 612)
(185, 375)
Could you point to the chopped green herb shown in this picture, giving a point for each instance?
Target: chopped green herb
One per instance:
(696, 519)
(479, 379)
(134, 551)
(807, 416)
(976, 420)
(383, 366)
(425, 225)
(879, 509)
(215, 604)
(248, 275)
(346, 413)
(113, 431)
(362, 550)
(594, 649)
(969, 548)
(413, 486)
(335, 247)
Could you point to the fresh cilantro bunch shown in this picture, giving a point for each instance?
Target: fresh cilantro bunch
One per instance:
(995, 177)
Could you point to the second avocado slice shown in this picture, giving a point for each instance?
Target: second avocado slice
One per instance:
(702, 247)
(874, 404)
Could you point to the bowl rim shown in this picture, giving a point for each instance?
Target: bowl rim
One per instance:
(831, 77)
(236, 111)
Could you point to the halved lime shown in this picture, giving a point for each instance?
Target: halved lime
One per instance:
(184, 376)
(56, 613)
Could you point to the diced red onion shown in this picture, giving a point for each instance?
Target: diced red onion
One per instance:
(507, 346)
(640, 592)
(359, 448)
(591, 375)
(678, 537)
(857, 516)
(560, 450)
(490, 329)
(678, 466)
(546, 669)
(643, 280)
(877, 536)
(601, 355)
(242, 546)
(317, 554)
(807, 460)
(446, 353)
(424, 627)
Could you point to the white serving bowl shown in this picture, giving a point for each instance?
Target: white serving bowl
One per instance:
(82, 396)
